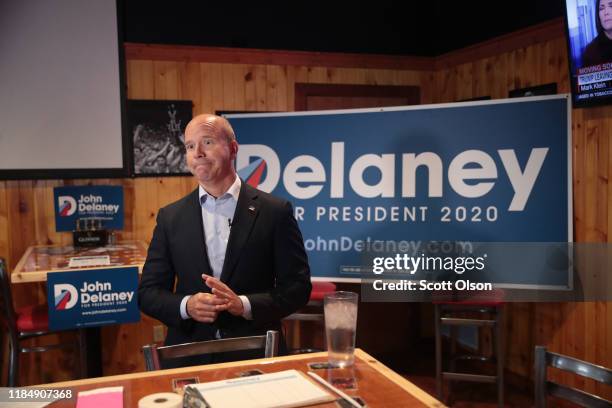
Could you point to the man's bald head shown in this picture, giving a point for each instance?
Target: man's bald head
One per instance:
(220, 123)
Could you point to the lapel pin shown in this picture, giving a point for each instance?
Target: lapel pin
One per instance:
(252, 208)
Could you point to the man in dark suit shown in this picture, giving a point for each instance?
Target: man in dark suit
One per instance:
(236, 253)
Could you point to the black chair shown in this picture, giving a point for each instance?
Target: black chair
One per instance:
(544, 387)
(155, 355)
(26, 323)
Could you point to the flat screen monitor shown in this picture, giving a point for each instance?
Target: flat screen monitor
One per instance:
(61, 84)
(589, 35)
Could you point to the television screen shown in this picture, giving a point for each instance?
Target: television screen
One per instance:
(589, 34)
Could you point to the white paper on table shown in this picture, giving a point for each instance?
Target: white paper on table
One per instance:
(283, 389)
(81, 261)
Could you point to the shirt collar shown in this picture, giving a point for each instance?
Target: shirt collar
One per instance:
(233, 191)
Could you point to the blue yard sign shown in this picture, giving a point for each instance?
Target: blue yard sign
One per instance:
(491, 171)
(104, 203)
(90, 298)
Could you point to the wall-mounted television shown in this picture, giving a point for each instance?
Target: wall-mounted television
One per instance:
(589, 36)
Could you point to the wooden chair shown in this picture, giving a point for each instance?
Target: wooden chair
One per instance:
(26, 323)
(445, 315)
(154, 356)
(544, 387)
(312, 312)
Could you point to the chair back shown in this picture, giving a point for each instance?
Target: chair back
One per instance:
(544, 387)
(7, 311)
(154, 355)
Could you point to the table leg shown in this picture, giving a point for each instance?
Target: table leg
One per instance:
(90, 353)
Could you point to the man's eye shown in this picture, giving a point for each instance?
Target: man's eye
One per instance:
(189, 147)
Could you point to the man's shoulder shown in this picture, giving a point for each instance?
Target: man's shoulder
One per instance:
(266, 198)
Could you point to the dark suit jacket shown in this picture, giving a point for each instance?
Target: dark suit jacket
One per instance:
(265, 260)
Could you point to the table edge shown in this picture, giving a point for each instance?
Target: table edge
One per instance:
(17, 276)
(405, 384)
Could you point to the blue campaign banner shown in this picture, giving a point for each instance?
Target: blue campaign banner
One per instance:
(489, 171)
(96, 297)
(103, 203)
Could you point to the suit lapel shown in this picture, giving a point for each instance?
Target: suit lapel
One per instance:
(246, 213)
(197, 232)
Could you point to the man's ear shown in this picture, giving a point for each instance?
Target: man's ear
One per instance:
(233, 149)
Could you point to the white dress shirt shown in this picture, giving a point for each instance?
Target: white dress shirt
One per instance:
(217, 216)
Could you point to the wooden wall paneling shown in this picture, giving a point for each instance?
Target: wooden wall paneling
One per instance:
(44, 212)
(191, 88)
(140, 79)
(21, 219)
(228, 55)
(4, 222)
(578, 162)
(371, 77)
(591, 325)
(517, 333)
(482, 74)
(426, 82)
(512, 77)
(464, 82)
(169, 189)
(294, 75)
(542, 53)
(216, 84)
(189, 184)
(250, 90)
(167, 80)
(260, 76)
(273, 98)
(404, 78)
(382, 77)
(592, 132)
(140, 214)
(228, 78)
(127, 234)
(206, 93)
(340, 75)
(530, 61)
(281, 89)
(239, 83)
(495, 69)
(601, 217)
(445, 85)
(574, 343)
(149, 207)
(558, 66)
(317, 75)
(291, 80)
(608, 202)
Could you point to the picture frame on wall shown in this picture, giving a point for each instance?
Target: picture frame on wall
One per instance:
(157, 136)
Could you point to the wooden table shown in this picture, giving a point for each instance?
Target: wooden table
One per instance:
(39, 260)
(377, 384)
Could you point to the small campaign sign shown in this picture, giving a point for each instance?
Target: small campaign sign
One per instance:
(100, 203)
(90, 298)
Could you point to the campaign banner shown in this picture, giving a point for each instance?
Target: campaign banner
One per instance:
(379, 179)
(99, 203)
(96, 297)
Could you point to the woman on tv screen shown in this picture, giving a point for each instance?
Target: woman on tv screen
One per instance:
(599, 50)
